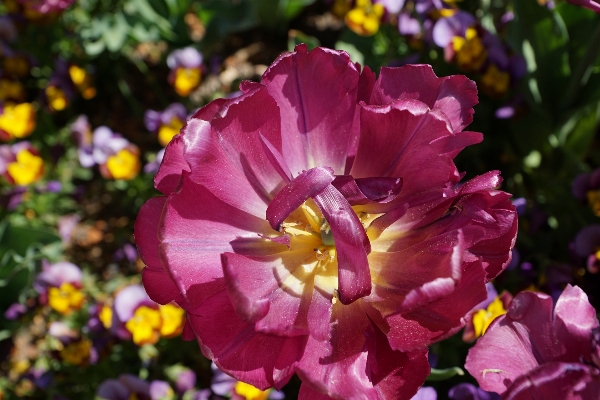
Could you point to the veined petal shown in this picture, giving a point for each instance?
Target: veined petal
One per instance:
(300, 189)
(295, 307)
(197, 228)
(262, 360)
(316, 93)
(351, 242)
(157, 282)
(172, 166)
(454, 95)
(367, 190)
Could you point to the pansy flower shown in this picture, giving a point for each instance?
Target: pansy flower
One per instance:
(142, 319)
(21, 164)
(124, 164)
(59, 285)
(17, 120)
(586, 187)
(587, 246)
(364, 19)
(186, 70)
(468, 391)
(484, 313)
(167, 123)
(125, 387)
(540, 350)
(317, 225)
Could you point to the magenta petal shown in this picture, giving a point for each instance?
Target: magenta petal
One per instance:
(263, 279)
(454, 95)
(247, 309)
(276, 159)
(556, 380)
(173, 164)
(259, 359)
(351, 242)
(316, 95)
(157, 282)
(300, 189)
(367, 190)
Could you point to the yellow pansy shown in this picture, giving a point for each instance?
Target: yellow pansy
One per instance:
(26, 169)
(124, 165)
(11, 90)
(17, 120)
(77, 353)
(495, 82)
(145, 325)
(65, 299)
(365, 17)
(172, 320)
(469, 51)
(166, 132)
(250, 392)
(483, 318)
(186, 80)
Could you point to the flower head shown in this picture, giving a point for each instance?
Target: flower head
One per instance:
(167, 123)
(60, 284)
(21, 164)
(16, 120)
(538, 350)
(365, 17)
(186, 70)
(320, 218)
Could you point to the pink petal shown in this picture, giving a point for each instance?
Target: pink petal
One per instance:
(304, 186)
(259, 280)
(401, 140)
(157, 282)
(367, 190)
(454, 95)
(261, 360)
(351, 242)
(316, 95)
(173, 164)
(193, 238)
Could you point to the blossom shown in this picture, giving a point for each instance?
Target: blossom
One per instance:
(127, 386)
(166, 123)
(186, 70)
(483, 314)
(16, 120)
(538, 350)
(140, 318)
(365, 17)
(60, 285)
(320, 219)
(467, 391)
(21, 164)
(125, 164)
(593, 5)
(425, 393)
(587, 245)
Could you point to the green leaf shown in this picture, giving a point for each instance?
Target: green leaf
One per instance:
(355, 54)
(114, 37)
(443, 374)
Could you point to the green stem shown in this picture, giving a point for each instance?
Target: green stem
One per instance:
(586, 62)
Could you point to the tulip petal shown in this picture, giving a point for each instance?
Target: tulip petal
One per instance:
(300, 189)
(351, 242)
(367, 190)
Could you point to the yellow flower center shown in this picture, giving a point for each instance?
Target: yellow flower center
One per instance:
(483, 318)
(18, 120)
(365, 17)
(105, 316)
(145, 325)
(470, 52)
(249, 392)
(65, 299)
(495, 81)
(166, 132)
(172, 320)
(186, 80)
(27, 169)
(123, 165)
(57, 99)
(77, 353)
